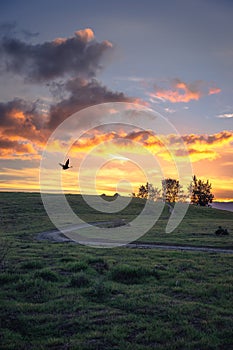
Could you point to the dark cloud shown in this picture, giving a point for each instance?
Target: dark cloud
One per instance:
(10, 29)
(9, 110)
(28, 35)
(21, 120)
(82, 94)
(141, 135)
(208, 139)
(79, 55)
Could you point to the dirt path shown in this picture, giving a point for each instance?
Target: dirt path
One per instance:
(57, 236)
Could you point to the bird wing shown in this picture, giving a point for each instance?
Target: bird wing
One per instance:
(67, 163)
(61, 164)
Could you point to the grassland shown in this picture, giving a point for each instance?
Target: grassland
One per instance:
(68, 296)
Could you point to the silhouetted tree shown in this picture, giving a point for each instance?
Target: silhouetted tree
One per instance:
(153, 192)
(148, 192)
(171, 188)
(142, 192)
(200, 192)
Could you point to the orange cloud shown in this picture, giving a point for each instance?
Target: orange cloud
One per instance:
(59, 41)
(213, 91)
(14, 149)
(183, 92)
(210, 155)
(85, 35)
(208, 147)
(198, 147)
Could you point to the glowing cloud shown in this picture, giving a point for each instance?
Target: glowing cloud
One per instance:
(183, 92)
(85, 35)
(213, 91)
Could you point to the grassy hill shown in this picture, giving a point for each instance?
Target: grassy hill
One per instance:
(23, 215)
(68, 296)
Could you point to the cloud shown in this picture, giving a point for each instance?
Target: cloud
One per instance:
(85, 35)
(14, 149)
(225, 116)
(25, 128)
(169, 110)
(79, 55)
(8, 28)
(11, 29)
(81, 94)
(214, 139)
(214, 90)
(21, 120)
(22, 135)
(180, 91)
(203, 147)
(199, 147)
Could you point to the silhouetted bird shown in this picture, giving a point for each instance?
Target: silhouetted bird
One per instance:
(66, 165)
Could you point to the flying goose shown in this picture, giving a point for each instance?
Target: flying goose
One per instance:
(66, 165)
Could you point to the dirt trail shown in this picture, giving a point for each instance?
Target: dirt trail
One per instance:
(57, 236)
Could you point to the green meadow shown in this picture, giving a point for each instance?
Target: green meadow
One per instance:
(69, 296)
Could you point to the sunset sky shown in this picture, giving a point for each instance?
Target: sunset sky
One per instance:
(58, 57)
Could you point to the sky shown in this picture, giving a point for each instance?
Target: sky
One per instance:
(59, 57)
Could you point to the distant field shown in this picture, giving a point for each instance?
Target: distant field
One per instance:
(223, 205)
(68, 296)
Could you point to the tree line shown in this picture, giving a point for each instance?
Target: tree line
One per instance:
(198, 191)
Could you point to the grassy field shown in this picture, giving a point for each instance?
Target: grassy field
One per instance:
(68, 296)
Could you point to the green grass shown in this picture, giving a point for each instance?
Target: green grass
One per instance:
(68, 296)
(23, 215)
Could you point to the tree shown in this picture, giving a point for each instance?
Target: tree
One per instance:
(148, 192)
(153, 192)
(200, 192)
(142, 192)
(171, 189)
